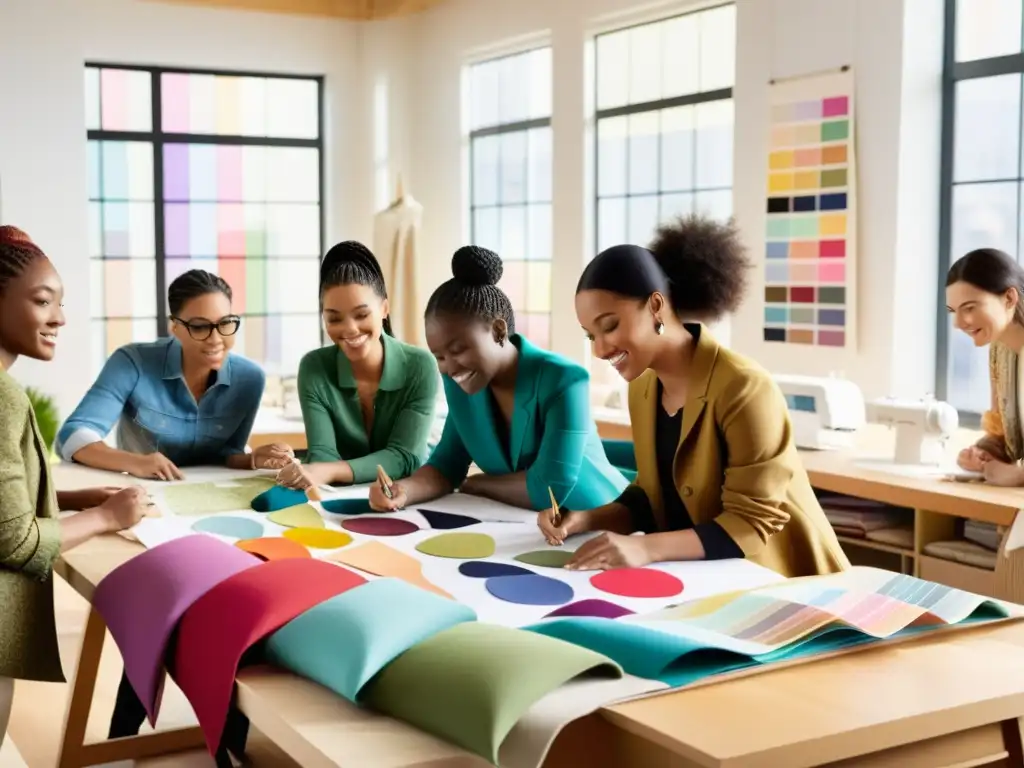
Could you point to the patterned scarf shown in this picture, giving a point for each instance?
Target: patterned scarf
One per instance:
(1003, 421)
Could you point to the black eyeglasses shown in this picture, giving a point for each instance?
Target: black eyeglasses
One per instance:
(201, 330)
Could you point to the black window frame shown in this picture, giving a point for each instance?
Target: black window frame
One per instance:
(157, 137)
(954, 72)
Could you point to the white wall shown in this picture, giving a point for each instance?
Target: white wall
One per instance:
(898, 101)
(42, 122)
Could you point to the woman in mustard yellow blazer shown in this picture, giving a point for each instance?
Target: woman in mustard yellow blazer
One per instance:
(718, 474)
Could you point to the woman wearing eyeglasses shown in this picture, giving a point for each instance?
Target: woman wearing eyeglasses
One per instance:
(178, 401)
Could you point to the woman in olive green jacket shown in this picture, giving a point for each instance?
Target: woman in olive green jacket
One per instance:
(31, 535)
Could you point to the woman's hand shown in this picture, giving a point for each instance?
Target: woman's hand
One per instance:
(85, 498)
(611, 550)
(1003, 474)
(570, 524)
(973, 459)
(154, 466)
(381, 503)
(474, 485)
(125, 508)
(302, 476)
(273, 456)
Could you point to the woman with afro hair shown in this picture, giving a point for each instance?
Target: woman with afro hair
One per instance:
(718, 474)
(520, 413)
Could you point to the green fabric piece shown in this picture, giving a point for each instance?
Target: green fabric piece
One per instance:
(194, 499)
(470, 684)
(546, 558)
(462, 546)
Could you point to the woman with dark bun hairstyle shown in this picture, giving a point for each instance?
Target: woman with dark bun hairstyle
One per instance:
(520, 413)
(718, 475)
(368, 399)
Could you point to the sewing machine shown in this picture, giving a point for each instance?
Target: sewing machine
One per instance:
(922, 427)
(825, 411)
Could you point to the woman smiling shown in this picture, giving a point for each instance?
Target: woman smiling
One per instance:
(368, 399)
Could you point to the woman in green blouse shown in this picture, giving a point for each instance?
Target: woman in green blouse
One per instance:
(368, 399)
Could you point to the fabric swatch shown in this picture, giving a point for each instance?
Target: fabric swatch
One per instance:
(463, 546)
(348, 506)
(382, 560)
(484, 569)
(502, 672)
(446, 521)
(343, 642)
(380, 526)
(229, 525)
(591, 607)
(547, 558)
(318, 538)
(239, 611)
(273, 548)
(142, 601)
(278, 497)
(637, 582)
(532, 589)
(299, 516)
(192, 499)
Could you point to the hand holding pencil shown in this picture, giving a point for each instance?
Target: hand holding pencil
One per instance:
(558, 525)
(386, 495)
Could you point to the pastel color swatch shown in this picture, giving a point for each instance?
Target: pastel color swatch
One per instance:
(299, 516)
(273, 548)
(464, 546)
(810, 223)
(381, 560)
(230, 526)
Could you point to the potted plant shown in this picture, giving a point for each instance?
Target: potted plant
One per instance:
(47, 417)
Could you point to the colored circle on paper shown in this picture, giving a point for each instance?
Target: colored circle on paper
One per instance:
(273, 548)
(318, 538)
(233, 527)
(348, 506)
(446, 520)
(463, 546)
(482, 569)
(380, 526)
(299, 516)
(546, 558)
(593, 607)
(533, 589)
(637, 582)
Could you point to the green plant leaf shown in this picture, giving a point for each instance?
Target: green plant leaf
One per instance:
(47, 415)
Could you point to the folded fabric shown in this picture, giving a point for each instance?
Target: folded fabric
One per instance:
(470, 684)
(142, 601)
(238, 612)
(988, 535)
(902, 537)
(277, 497)
(345, 641)
(966, 552)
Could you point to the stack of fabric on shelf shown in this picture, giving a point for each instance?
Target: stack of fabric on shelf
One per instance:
(864, 519)
(977, 546)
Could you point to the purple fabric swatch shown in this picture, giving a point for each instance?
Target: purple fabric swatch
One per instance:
(142, 601)
(600, 609)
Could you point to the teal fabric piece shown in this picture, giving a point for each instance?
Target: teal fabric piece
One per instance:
(277, 498)
(345, 641)
(347, 506)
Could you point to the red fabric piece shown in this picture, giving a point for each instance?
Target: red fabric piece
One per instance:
(237, 613)
(637, 582)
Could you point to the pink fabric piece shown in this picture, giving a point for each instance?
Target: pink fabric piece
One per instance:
(143, 600)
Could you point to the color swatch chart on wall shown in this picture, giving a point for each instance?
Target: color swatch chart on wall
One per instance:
(810, 233)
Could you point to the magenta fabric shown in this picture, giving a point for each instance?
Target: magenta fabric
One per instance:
(142, 601)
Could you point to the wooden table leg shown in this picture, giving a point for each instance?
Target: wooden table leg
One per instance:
(74, 751)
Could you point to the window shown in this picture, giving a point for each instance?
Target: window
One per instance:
(982, 168)
(215, 171)
(510, 179)
(664, 122)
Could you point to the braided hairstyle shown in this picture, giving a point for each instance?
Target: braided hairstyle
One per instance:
(17, 251)
(193, 284)
(352, 263)
(473, 289)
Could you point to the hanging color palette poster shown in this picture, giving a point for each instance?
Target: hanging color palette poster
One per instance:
(810, 236)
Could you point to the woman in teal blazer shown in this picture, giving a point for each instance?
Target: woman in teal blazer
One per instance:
(520, 413)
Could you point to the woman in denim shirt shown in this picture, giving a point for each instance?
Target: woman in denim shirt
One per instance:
(179, 401)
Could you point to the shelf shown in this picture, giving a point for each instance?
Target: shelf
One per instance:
(880, 546)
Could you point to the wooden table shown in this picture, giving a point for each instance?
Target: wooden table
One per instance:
(946, 699)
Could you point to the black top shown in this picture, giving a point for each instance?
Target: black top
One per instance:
(718, 545)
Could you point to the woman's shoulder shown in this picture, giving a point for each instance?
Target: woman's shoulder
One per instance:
(13, 398)
(738, 376)
(415, 356)
(245, 370)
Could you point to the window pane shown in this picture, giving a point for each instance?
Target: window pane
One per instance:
(612, 59)
(485, 154)
(539, 171)
(645, 63)
(986, 28)
(513, 88)
(513, 232)
(714, 144)
(538, 287)
(126, 100)
(674, 205)
(680, 64)
(677, 149)
(717, 48)
(92, 98)
(539, 83)
(643, 219)
(643, 152)
(513, 283)
(716, 204)
(486, 231)
(539, 229)
(984, 216)
(611, 222)
(293, 108)
(987, 128)
(513, 167)
(484, 89)
(611, 156)
(968, 385)
(292, 174)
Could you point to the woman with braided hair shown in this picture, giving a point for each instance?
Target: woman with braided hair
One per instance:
(32, 535)
(184, 400)
(368, 399)
(520, 413)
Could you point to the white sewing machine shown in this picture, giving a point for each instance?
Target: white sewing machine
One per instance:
(922, 427)
(825, 411)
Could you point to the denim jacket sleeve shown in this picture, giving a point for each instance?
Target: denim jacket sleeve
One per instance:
(101, 407)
